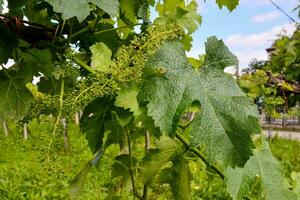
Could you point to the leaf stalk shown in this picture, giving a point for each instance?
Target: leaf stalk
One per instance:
(199, 154)
(84, 66)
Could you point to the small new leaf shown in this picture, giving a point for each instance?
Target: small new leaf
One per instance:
(101, 57)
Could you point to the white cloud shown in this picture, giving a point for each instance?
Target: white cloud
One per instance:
(266, 17)
(5, 8)
(246, 55)
(260, 3)
(196, 51)
(263, 39)
(249, 47)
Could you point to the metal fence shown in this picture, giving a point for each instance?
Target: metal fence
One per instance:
(283, 121)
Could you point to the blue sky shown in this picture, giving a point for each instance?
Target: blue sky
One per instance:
(248, 30)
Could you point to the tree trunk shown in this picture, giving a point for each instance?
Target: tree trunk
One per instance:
(147, 141)
(5, 128)
(25, 131)
(77, 118)
(65, 134)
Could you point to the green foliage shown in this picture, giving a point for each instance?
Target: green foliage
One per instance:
(257, 180)
(15, 97)
(158, 158)
(40, 59)
(276, 80)
(231, 5)
(179, 178)
(101, 57)
(183, 14)
(92, 122)
(290, 161)
(26, 171)
(6, 46)
(286, 56)
(81, 9)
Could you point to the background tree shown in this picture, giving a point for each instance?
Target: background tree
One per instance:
(277, 79)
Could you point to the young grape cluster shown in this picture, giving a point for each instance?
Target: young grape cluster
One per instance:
(129, 62)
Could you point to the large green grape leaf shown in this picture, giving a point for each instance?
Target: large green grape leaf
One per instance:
(262, 175)
(15, 97)
(230, 4)
(81, 9)
(227, 117)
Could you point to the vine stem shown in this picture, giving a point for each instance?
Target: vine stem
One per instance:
(87, 29)
(118, 28)
(135, 193)
(147, 148)
(61, 97)
(199, 154)
(29, 23)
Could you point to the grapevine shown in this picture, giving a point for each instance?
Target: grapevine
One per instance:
(160, 115)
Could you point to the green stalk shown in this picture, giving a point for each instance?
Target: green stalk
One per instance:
(118, 28)
(135, 193)
(199, 154)
(84, 66)
(61, 97)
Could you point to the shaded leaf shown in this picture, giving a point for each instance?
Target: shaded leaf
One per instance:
(8, 44)
(156, 159)
(78, 181)
(179, 177)
(37, 61)
(122, 166)
(127, 99)
(15, 97)
(93, 122)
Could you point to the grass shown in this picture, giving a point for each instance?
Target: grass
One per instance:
(29, 170)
